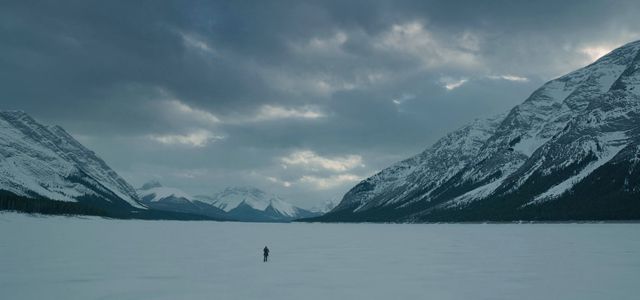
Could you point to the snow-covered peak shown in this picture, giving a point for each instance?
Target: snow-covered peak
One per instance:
(153, 191)
(231, 197)
(282, 207)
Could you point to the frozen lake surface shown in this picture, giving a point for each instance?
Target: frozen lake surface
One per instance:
(92, 258)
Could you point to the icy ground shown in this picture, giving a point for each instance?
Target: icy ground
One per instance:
(92, 258)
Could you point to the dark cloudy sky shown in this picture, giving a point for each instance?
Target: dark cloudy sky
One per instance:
(299, 98)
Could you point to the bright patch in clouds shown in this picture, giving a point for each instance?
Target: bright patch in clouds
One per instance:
(451, 83)
(193, 41)
(313, 84)
(314, 162)
(270, 112)
(319, 172)
(509, 78)
(414, 39)
(176, 106)
(595, 52)
(278, 181)
(335, 41)
(403, 98)
(322, 183)
(322, 45)
(198, 138)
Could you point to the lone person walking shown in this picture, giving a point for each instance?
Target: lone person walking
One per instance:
(265, 251)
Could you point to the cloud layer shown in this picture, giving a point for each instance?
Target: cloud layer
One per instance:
(301, 98)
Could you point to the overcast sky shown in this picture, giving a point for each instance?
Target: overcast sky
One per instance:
(299, 98)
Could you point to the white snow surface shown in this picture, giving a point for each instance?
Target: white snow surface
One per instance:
(93, 258)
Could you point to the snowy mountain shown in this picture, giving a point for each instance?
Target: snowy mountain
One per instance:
(569, 152)
(153, 191)
(252, 204)
(45, 162)
(230, 198)
(43, 169)
(159, 197)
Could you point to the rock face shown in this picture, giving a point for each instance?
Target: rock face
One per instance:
(45, 162)
(252, 204)
(569, 152)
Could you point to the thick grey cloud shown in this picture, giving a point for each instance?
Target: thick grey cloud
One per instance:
(301, 98)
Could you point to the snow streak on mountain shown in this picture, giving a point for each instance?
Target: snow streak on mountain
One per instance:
(568, 152)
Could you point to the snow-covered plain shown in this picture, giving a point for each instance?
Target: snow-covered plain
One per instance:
(93, 258)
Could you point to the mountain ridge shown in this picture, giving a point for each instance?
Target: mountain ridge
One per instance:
(43, 169)
(568, 131)
(253, 204)
(46, 161)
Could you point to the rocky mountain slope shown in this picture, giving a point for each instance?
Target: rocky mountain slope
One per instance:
(569, 152)
(43, 169)
(38, 161)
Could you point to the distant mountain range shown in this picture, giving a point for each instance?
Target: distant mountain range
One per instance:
(249, 203)
(234, 203)
(43, 169)
(571, 151)
(158, 197)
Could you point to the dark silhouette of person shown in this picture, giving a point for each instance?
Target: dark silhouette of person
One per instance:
(265, 251)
